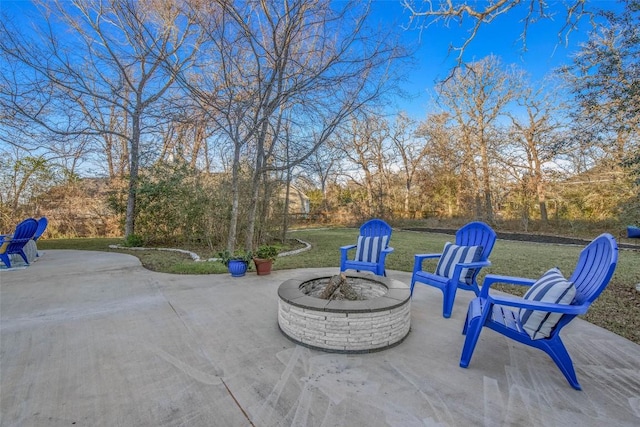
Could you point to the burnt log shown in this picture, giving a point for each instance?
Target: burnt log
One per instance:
(345, 291)
(334, 283)
(339, 288)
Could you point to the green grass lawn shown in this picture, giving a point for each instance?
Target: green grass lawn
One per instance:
(617, 309)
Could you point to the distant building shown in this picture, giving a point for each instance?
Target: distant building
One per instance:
(298, 201)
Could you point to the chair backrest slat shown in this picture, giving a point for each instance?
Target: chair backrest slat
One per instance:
(594, 269)
(477, 234)
(23, 233)
(42, 226)
(374, 228)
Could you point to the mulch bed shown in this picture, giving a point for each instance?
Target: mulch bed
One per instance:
(538, 238)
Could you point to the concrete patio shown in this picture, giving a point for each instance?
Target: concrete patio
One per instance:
(94, 339)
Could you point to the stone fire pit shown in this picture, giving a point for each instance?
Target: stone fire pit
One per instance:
(379, 321)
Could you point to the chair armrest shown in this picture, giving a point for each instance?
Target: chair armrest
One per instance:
(475, 264)
(344, 254)
(383, 254)
(537, 305)
(490, 279)
(457, 270)
(4, 243)
(419, 258)
(422, 257)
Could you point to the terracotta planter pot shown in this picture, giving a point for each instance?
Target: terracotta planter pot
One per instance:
(263, 266)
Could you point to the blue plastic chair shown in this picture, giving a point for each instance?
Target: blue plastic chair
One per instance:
(42, 226)
(596, 265)
(15, 243)
(472, 234)
(372, 249)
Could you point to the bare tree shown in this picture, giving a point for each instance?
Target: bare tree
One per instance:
(321, 167)
(308, 65)
(604, 80)
(443, 179)
(411, 151)
(364, 143)
(22, 98)
(424, 13)
(185, 138)
(477, 96)
(104, 64)
(24, 177)
(535, 136)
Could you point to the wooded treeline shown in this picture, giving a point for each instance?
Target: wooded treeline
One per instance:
(200, 115)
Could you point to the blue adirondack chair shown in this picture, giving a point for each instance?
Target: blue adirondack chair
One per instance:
(371, 250)
(42, 226)
(595, 267)
(14, 244)
(458, 265)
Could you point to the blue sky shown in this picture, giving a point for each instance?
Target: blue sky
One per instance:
(545, 51)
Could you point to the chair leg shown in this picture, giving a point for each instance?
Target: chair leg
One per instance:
(466, 324)
(473, 329)
(24, 256)
(6, 260)
(448, 299)
(413, 283)
(557, 351)
(476, 315)
(475, 288)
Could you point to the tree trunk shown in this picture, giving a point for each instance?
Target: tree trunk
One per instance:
(544, 216)
(407, 194)
(253, 209)
(285, 210)
(130, 216)
(235, 195)
(255, 196)
(540, 190)
(542, 201)
(369, 187)
(486, 181)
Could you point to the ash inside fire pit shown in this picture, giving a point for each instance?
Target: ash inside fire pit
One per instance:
(340, 287)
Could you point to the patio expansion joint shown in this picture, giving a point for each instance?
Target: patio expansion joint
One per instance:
(186, 326)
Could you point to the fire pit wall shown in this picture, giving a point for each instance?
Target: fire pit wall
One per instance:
(373, 324)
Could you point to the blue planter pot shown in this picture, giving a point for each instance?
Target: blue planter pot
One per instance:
(237, 268)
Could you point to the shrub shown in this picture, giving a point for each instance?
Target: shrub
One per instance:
(134, 241)
(267, 252)
(239, 254)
